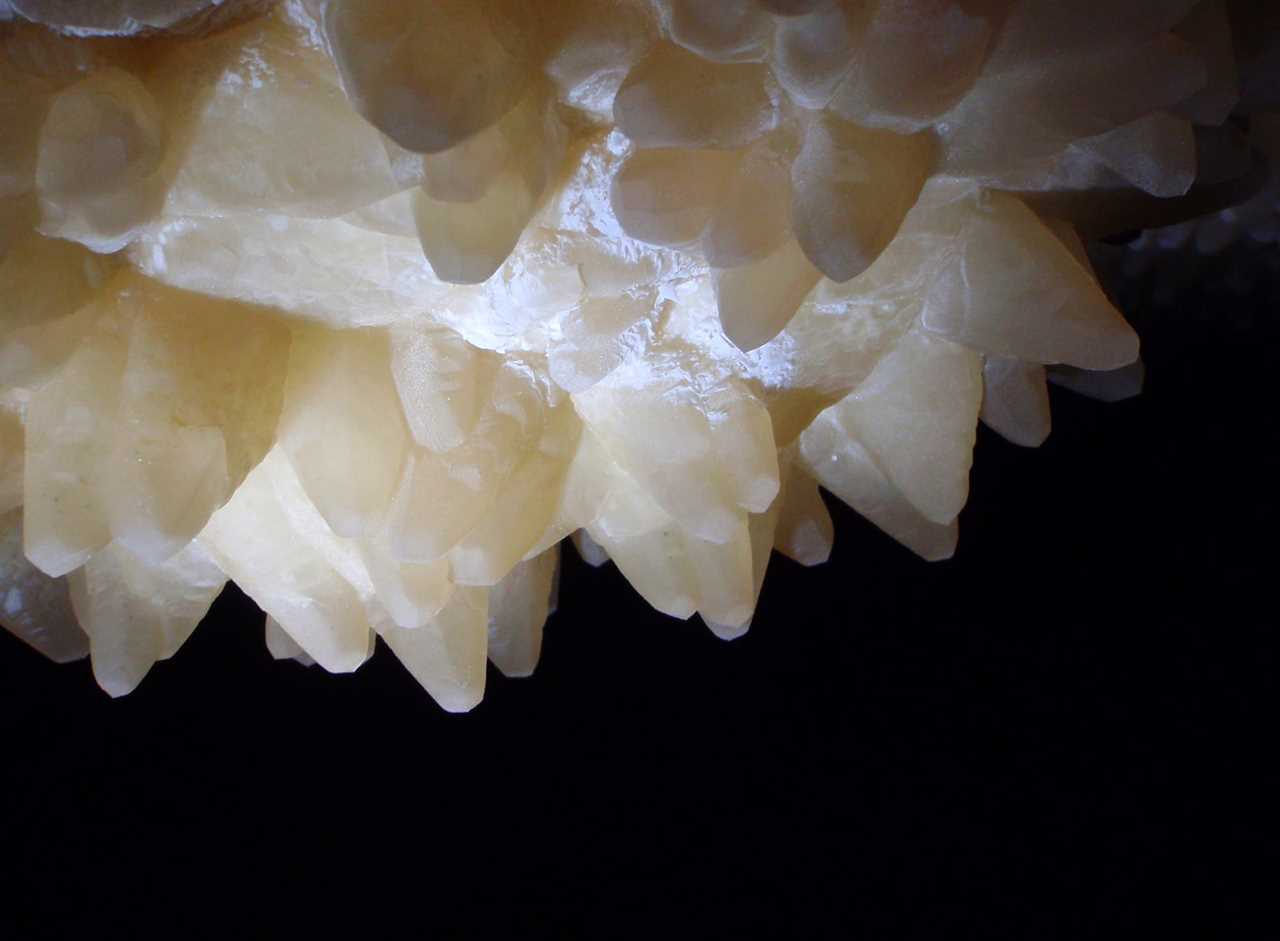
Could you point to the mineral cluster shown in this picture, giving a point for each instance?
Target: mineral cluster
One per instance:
(368, 305)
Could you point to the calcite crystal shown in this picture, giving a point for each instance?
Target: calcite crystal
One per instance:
(368, 305)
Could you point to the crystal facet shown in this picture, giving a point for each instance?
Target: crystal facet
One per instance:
(368, 305)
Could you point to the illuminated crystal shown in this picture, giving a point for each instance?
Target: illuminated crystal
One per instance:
(367, 305)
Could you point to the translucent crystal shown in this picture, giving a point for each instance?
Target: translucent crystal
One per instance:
(757, 300)
(915, 415)
(654, 109)
(851, 189)
(274, 544)
(597, 337)
(438, 376)
(442, 496)
(33, 606)
(1012, 288)
(99, 160)
(1156, 153)
(734, 30)
(1112, 385)
(429, 88)
(370, 304)
(814, 53)
(447, 656)
(331, 272)
(136, 613)
(260, 90)
(753, 217)
(593, 45)
(673, 438)
(845, 468)
(282, 646)
(914, 60)
(1015, 400)
(479, 196)
(413, 593)
(342, 426)
(44, 284)
(518, 609)
(1032, 107)
(805, 532)
(669, 197)
(591, 551)
(499, 540)
(123, 17)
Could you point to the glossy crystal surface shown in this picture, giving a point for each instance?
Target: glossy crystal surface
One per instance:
(369, 306)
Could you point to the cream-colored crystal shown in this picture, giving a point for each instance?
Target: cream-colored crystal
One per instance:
(661, 433)
(757, 300)
(654, 109)
(99, 160)
(754, 215)
(440, 379)
(597, 337)
(327, 271)
(274, 544)
(342, 426)
(199, 402)
(426, 87)
(44, 284)
(730, 31)
(1156, 153)
(915, 415)
(442, 496)
(805, 532)
(263, 89)
(1033, 108)
(370, 304)
(165, 406)
(70, 422)
(851, 189)
(813, 52)
(914, 60)
(282, 646)
(478, 197)
(124, 17)
(1015, 400)
(136, 613)
(591, 47)
(413, 593)
(669, 197)
(33, 606)
(588, 549)
(843, 466)
(1011, 288)
(676, 571)
(518, 609)
(1112, 385)
(501, 538)
(447, 655)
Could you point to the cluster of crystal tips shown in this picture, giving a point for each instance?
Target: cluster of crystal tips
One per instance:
(367, 305)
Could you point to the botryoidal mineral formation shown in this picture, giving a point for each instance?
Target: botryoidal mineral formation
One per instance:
(368, 305)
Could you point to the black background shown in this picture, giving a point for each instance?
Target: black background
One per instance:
(1064, 732)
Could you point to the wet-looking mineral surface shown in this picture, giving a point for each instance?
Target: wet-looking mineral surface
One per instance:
(368, 305)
